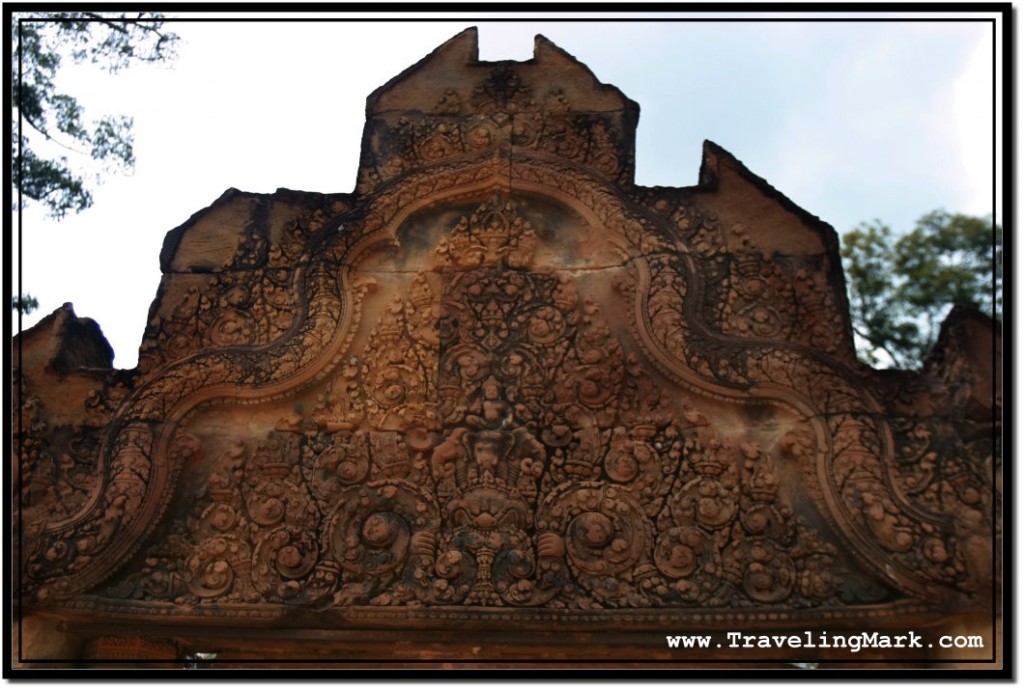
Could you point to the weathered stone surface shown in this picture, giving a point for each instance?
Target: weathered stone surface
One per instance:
(500, 388)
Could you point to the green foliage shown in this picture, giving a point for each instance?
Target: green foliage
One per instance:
(42, 41)
(24, 304)
(902, 287)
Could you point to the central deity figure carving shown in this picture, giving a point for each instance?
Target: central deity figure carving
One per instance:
(499, 374)
(502, 449)
(492, 442)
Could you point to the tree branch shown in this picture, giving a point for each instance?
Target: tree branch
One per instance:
(46, 134)
(139, 22)
(877, 344)
(103, 20)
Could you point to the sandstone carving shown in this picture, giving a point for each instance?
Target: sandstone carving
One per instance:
(500, 387)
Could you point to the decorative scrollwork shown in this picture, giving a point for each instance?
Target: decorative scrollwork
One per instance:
(210, 568)
(372, 530)
(689, 558)
(763, 570)
(565, 394)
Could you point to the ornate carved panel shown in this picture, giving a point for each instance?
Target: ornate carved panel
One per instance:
(501, 383)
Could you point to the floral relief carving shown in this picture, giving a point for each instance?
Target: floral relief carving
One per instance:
(504, 112)
(570, 407)
(536, 465)
(862, 467)
(567, 394)
(253, 301)
(57, 473)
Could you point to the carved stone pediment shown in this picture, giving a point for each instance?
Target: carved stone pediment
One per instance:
(501, 388)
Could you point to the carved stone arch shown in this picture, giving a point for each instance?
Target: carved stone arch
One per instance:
(862, 440)
(821, 469)
(160, 485)
(501, 384)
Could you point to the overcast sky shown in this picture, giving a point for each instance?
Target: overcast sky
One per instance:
(851, 120)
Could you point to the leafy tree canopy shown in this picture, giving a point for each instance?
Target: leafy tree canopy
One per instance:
(42, 41)
(902, 286)
(25, 304)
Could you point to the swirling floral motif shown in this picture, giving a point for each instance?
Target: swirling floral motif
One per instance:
(378, 544)
(233, 328)
(210, 569)
(767, 521)
(860, 467)
(545, 326)
(442, 573)
(521, 355)
(763, 570)
(521, 582)
(280, 559)
(599, 545)
(711, 502)
(269, 509)
(605, 530)
(220, 517)
(345, 463)
(374, 528)
(634, 462)
(689, 558)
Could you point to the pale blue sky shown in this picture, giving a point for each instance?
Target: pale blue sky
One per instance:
(850, 120)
